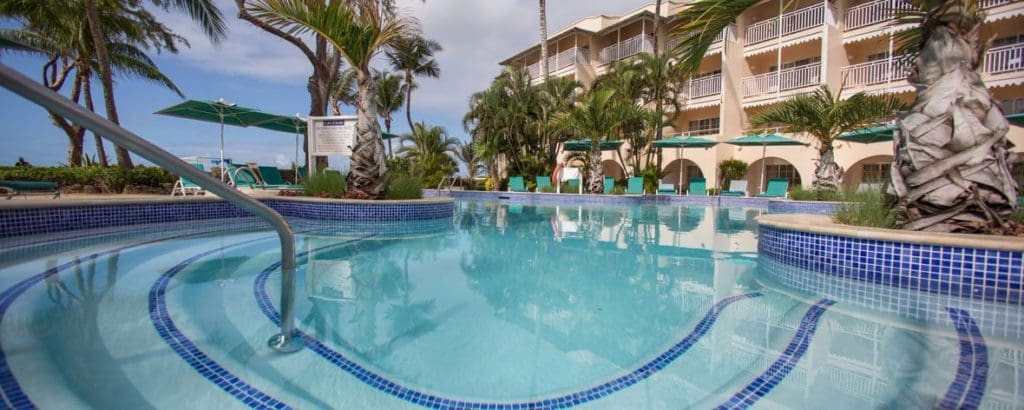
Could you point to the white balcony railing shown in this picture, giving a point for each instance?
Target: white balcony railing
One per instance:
(874, 12)
(674, 40)
(993, 3)
(876, 72)
(561, 60)
(643, 43)
(1004, 59)
(787, 79)
(704, 86)
(788, 23)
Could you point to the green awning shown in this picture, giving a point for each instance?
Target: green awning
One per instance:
(584, 145)
(880, 133)
(762, 140)
(684, 142)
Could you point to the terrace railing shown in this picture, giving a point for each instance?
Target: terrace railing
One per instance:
(787, 79)
(1004, 59)
(704, 86)
(561, 60)
(876, 72)
(788, 23)
(874, 12)
(993, 3)
(642, 43)
(674, 40)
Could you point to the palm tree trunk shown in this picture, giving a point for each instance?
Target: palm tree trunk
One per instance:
(657, 26)
(368, 167)
(387, 127)
(543, 41)
(101, 151)
(408, 98)
(124, 159)
(950, 172)
(828, 175)
(596, 184)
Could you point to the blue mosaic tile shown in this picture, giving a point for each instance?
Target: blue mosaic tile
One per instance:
(968, 385)
(777, 206)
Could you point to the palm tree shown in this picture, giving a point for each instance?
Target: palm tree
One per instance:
(413, 55)
(598, 116)
(343, 90)
(427, 152)
(389, 98)
(543, 16)
(467, 153)
(359, 31)
(824, 116)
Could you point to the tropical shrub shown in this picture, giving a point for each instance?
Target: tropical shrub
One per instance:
(404, 186)
(325, 185)
(113, 178)
(729, 170)
(873, 209)
(801, 194)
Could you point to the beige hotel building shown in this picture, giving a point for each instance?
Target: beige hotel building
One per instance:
(769, 55)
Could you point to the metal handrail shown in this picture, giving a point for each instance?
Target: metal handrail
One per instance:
(289, 339)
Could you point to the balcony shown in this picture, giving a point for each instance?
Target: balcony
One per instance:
(674, 40)
(985, 4)
(876, 72)
(643, 43)
(789, 23)
(561, 60)
(1004, 59)
(704, 86)
(784, 80)
(874, 12)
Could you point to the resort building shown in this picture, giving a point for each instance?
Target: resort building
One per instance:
(772, 52)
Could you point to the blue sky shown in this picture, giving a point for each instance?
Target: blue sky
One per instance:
(254, 69)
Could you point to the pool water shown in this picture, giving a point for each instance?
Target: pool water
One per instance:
(505, 305)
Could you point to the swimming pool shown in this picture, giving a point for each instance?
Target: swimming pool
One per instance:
(503, 306)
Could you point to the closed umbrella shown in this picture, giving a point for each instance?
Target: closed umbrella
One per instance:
(762, 140)
(682, 142)
(221, 112)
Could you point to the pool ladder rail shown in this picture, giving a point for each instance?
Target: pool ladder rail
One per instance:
(289, 338)
(452, 182)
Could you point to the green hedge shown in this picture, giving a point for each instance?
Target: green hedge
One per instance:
(113, 177)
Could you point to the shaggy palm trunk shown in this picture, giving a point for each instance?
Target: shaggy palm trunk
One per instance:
(596, 184)
(828, 175)
(408, 98)
(950, 172)
(543, 41)
(368, 167)
(387, 127)
(101, 151)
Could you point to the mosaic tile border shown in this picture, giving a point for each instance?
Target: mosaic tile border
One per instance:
(778, 370)
(991, 275)
(803, 207)
(434, 401)
(968, 386)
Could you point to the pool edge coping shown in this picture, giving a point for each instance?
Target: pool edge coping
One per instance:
(114, 201)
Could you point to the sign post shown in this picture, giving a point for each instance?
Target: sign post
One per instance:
(330, 136)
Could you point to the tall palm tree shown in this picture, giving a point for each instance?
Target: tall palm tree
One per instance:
(543, 16)
(467, 153)
(359, 29)
(413, 55)
(428, 151)
(389, 98)
(824, 116)
(598, 116)
(343, 90)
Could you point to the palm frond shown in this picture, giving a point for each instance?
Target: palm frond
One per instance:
(203, 12)
(700, 23)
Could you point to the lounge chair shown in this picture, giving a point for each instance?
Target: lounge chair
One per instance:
(543, 181)
(272, 179)
(515, 184)
(698, 187)
(242, 177)
(776, 189)
(574, 185)
(26, 188)
(185, 187)
(666, 189)
(737, 187)
(609, 185)
(301, 175)
(635, 186)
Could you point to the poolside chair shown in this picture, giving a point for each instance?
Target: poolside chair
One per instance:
(543, 181)
(574, 185)
(609, 185)
(666, 189)
(301, 175)
(635, 186)
(776, 189)
(737, 187)
(26, 188)
(698, 187)
(186, 187)
(242, 177)
(272, 179)
(515, 184)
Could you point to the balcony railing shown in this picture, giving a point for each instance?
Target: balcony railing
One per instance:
(705, 86)
(643, 43)
(1004, 59)
(993, 3)
(787, 79)
(561, 60)
(673, 41)
(788, 23)
(874, 12)
(876, 72)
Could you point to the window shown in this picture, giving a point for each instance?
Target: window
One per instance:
(1012, 106)
(798, 63)
(878, 57)
(876, 173)
(783, 171)
(1008, 41)
(707, 74)
(703, 126)
(693, 171)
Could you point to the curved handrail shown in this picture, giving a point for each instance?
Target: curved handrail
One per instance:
(286, 341)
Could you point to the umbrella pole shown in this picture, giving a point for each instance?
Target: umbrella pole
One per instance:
(682, 161)
(296, 166)
(222, 167)
(764, 151)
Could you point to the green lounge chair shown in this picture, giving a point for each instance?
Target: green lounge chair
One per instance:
(184, 186)
(543, 181)
(26, 188)
(515, 184)
(574, 186)
(776, 189)
(635, 186)
(736, 188)
(301, 175)
(272, 179)
(698, 187)
(609, 184)
(666, 189)
(242, 177)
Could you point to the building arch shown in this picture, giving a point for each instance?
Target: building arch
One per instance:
(671, 172)
(775, 167)
(612, 168)
(870, 171)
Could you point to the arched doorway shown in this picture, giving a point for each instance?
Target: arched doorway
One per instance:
(671, 172)
(611, 168)
(869, 173)
(774, 168)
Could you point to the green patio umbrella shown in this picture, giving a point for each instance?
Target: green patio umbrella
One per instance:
(584, 145)
(221, 112)
(762, 140)
(878, 133)
(681, 143)
(389, 136)
(1016, 119)
(286, 123)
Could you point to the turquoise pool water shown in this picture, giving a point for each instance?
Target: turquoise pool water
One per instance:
(506, 305)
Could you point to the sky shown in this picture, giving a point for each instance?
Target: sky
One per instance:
(254, 69)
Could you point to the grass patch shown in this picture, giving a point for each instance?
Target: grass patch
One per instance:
(801, 194)
(325, 185)
(873, 209)
(404, 186)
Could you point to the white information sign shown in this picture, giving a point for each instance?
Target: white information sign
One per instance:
(331, 135)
